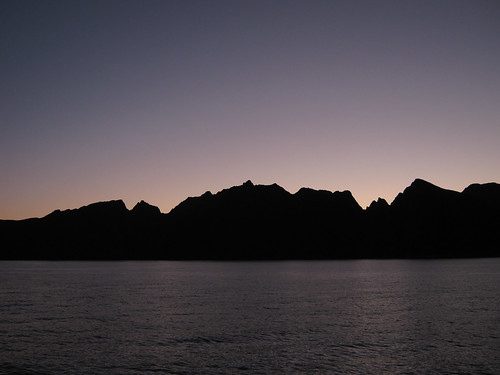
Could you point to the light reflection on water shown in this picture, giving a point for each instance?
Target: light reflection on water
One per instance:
(351, 317)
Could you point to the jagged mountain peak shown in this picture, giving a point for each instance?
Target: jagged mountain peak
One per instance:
(143, 208)
(421, 194)
(421, 185)
(379, 204)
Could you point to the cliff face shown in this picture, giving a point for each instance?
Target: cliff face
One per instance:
(266, 222)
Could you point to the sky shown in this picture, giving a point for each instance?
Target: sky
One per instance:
(161, 100)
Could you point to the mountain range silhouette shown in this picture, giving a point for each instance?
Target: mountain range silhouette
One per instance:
(265, 222)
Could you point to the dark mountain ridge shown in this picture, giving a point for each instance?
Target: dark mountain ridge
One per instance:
(267, 222)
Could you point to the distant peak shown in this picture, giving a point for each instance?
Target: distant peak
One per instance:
(490, 186)
(420, 185)
(423, 187)
(248, 183)
(304, 190)
(420, 182)
(142, 203)
(113, 204)
(145, 208)
(379, 204)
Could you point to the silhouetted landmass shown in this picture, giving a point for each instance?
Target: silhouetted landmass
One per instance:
(267, 222)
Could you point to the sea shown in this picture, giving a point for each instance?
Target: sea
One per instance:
(281, 317)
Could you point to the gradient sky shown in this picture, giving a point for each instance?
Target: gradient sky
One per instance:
(161, 100)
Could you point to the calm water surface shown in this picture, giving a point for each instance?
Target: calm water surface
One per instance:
(345, 317)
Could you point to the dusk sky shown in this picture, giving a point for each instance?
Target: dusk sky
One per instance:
(161, 100)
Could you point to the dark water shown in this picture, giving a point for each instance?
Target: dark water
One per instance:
(345, 317)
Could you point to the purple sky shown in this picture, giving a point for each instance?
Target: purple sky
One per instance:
(161, 100)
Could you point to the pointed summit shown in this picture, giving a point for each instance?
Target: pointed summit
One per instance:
(378, 205)
(145, 209)
(420, 185)
(421, 194)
